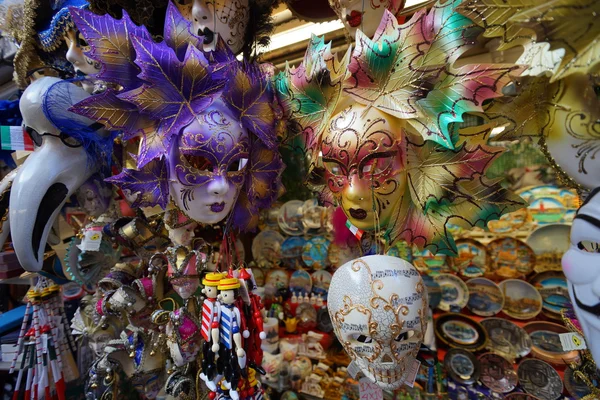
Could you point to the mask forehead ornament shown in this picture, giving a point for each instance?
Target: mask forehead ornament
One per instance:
(395, 160)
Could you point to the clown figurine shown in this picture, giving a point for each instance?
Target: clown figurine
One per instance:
(211, 315)
(230, 338)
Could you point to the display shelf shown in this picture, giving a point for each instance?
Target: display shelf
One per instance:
(5, 365)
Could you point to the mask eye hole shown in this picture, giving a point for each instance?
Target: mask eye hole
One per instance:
(597, 90)
(333, 168)
(405, 336)
(199, 163)
(376, 166)
(588, 246)
(237, 165)
(363, 338)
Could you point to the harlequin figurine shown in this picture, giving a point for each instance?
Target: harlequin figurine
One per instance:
(230, 363)
(211, 316)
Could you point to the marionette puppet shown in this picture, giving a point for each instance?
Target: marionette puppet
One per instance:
(364, 15)
(382, 126)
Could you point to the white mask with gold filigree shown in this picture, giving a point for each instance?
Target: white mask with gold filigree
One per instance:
(378, 306)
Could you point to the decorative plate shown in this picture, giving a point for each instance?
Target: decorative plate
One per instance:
(290, 218)
(506, 338)
(291, 251)
(485, 297)
(277, 278)
(266, 249)
(497, 373)
(549, 242)
(300, 281)
(576, 388)
(425, 261)
(456, 330)
(314, 253)
(340, 254)
(510, 258)
(546, 343)
(520, 396)
(509, 222)
(547, 210)
(521, 300)
(312, 215)
(540, 379)
(434, 291)
(402, 250)
(552, 285)
(462, 366)
(259, 276)
(455, 294)
(471, 260)
(321, 280)
(268, 218)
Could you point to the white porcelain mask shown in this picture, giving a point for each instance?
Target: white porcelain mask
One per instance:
(581, 265)
(228, 18)
(206, 165)
(82, 64)
(381, 322)
(58, 166)
(363, 14)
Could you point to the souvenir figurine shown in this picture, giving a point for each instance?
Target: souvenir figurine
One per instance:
(388, 140)
(382, 322)
(69, 149)
(210, 323)
(232, 356)
(577, 265)
(556, 98)
(364, 15)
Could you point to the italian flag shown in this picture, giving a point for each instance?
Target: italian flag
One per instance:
(355, 231)
(14, 138)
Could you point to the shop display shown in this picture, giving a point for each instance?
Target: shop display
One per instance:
(407, 212)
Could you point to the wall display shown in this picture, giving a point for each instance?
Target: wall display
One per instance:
(546, 343)
(301, 282)
(510, 222)
(552, 285)
(290, 218)
(506, 338)
(497, 373)
(277, 278)
(576, 388)
(291, 251)
(426, 262)
(510, 258)
(459, 331)
(485, 297)
(521, 300)
(520, 396)
(434, 291)
(314, 253)
(549, 242)
(321, 280)
(455, 293)
(472, 258)
(266, 248)
(540, 379)
(462, 366)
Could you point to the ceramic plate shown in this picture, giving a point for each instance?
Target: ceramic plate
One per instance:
(315, 250)
(520, 396)
(510, 258)
(546, 343)
(300, 281)
(291, 251)
(434, 291)
(471, 260)
(340, 254)
(402, 250)
(277, 278)
(497, 373)
(506, 338)
(576, 388)
(290, 218)
(521, 300)
(547, 210)
(552, 285)
(266, 248)
(312, 215)
(509, 222)
(455, 294)
(462, 366)
(485, 297)
(549, 242)
(259, 276)
(457, 330)
(321, 280)
(540, 379)
(426, 261)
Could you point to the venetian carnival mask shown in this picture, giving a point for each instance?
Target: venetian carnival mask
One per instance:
(382, 322)
(580, 265)
(68, 149)
(227, 18)
(364, 160)
(363, 14)
(206, 168)
(82, 64)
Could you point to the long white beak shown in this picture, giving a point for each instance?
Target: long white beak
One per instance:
(5, 188)
(49, 176)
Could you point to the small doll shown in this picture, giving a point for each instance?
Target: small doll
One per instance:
(211, 316)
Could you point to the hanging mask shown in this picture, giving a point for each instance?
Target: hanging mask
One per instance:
(381, 323)
(364, 14)
(76, 55)
(227, 18)
(68, 150)
(579, 264)
(206, 166)
(364, 159)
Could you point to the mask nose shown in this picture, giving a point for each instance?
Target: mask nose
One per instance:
(201, 12)
(218, 186)
(74, 53)
(357, 190)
